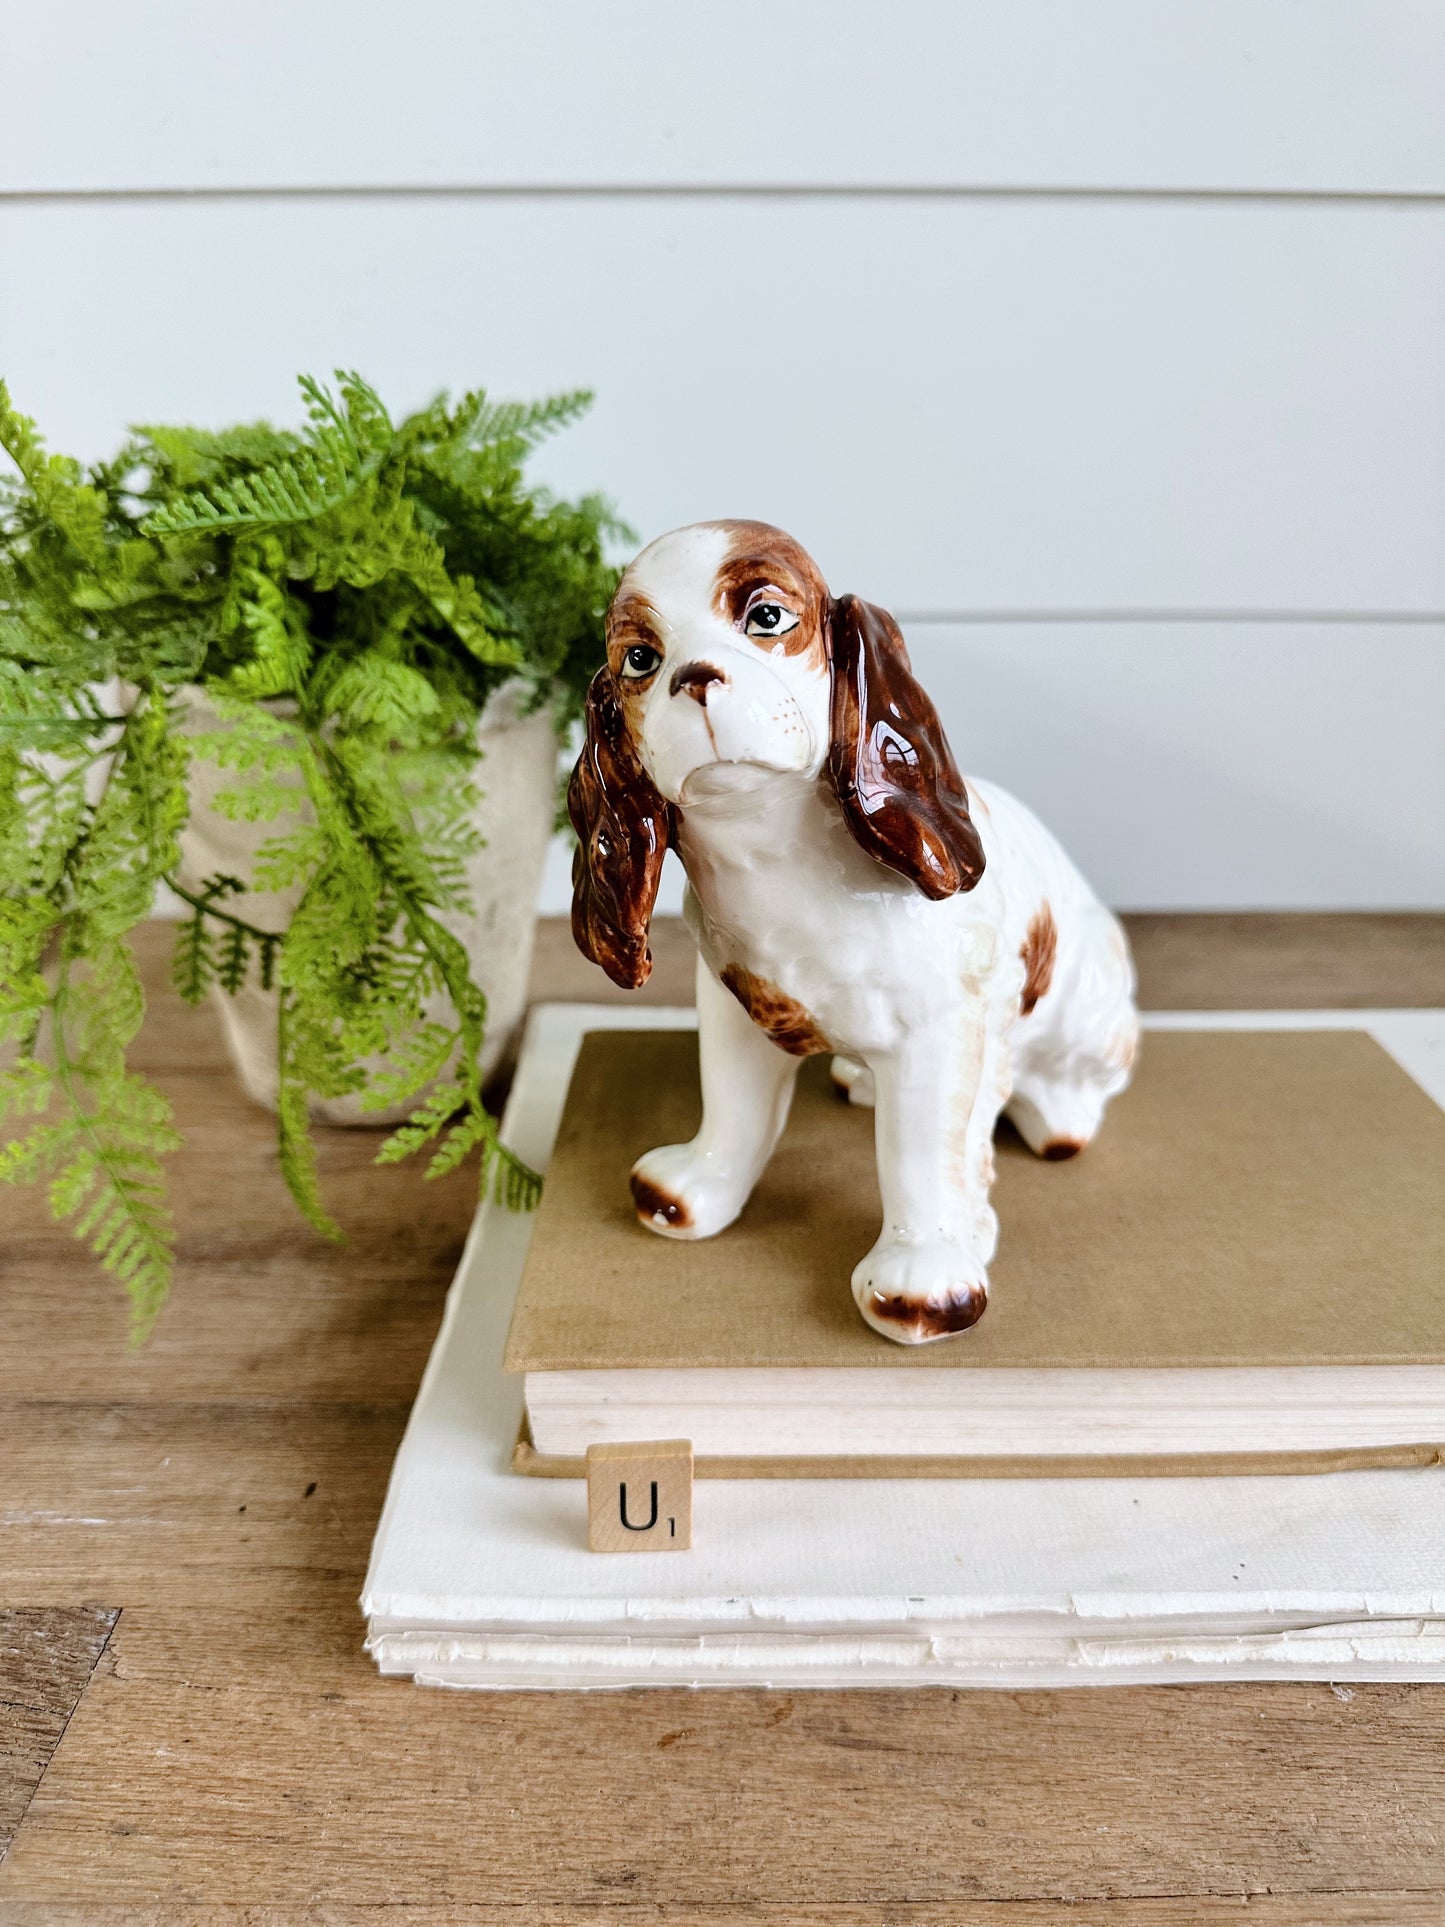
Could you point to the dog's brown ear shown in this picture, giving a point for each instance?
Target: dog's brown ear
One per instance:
(902, 796)
(623, 827)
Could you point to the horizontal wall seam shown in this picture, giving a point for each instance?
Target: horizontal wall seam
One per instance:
(802, 190)
(1363, 618)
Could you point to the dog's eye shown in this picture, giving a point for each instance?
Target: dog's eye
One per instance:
(640, 661)
(769, 619)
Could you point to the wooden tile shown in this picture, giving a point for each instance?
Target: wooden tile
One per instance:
(1288, 960)
(1315, 1909)
(46, 1656)
(639, 1496)
(262, 1309)
(238, 1755)
(134, 1503)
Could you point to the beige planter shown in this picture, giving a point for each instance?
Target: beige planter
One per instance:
(517, 778)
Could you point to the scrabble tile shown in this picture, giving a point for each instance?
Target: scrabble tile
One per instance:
(639, 1496)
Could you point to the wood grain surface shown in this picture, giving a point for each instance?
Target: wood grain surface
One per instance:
(234, 1758)
(46, 1656)
(1213, 960)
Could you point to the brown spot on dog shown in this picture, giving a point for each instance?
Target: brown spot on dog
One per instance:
(631, 619)
(1122, 1049)
(1059, 1148)
(791, 1027)
(926, 1318)
(656, 1206)
(763, 564)
(1040, 946)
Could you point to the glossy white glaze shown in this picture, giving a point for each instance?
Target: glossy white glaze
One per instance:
(1017, 994)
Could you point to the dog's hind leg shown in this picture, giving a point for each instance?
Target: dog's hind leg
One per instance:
(1076, 1050)
(1056, 1119)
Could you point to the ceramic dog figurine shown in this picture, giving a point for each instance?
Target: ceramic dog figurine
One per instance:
(847, 893)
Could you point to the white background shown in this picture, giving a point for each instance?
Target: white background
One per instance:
(1103, 340)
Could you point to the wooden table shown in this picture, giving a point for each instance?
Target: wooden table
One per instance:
(189, 1730)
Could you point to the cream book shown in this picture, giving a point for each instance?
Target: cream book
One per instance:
(1244, 1273)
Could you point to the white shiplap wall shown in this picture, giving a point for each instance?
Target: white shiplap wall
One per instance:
(1101, 341)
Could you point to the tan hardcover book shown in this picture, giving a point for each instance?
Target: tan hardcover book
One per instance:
(1245, 1272)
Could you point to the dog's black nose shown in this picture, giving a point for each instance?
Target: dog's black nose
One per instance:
(696, 678)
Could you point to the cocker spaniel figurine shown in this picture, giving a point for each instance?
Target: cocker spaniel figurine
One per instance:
(847, 893)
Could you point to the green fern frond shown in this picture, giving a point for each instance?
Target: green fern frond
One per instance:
(523, 424)
(233, 962)
(193, 965)
(116, 1200)
(390, 697)
(25, 1088)
(517, 1185)
(347, 595)
(298, 1151)
(442, 1104)
(361, 419)
(280, 648)
(27, 922)
(458, 1119)
(418, 1059)
(190, 458)
(215, 946)
(471, 1130)
(103, 1155)
(345, 444)
(299, 488)
(284, 861)
(28, 1159)
(61, 497)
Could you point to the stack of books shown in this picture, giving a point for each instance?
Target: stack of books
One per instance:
(1200, 1432)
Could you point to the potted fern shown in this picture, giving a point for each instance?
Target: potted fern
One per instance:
(265, 668)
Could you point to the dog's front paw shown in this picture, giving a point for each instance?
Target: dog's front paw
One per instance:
(683, 1192)
(917, 1290)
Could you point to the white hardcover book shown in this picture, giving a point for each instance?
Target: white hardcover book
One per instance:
(481, 1577)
